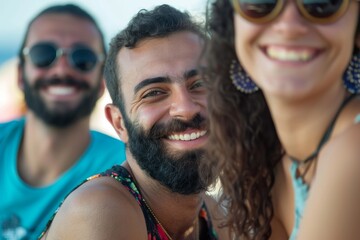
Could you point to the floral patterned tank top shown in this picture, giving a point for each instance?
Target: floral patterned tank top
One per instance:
(154, 230)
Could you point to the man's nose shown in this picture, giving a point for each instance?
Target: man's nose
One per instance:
(184, 106)
(62, 66)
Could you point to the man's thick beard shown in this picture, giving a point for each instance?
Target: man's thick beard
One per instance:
(64, 115)
(177, 172)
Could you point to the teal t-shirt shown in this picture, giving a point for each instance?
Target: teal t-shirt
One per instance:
(25, 210)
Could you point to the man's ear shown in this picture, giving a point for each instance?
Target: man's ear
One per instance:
(116, 119)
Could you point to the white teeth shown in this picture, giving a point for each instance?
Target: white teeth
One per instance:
(289, 55)
(187, 136)
(61, 90)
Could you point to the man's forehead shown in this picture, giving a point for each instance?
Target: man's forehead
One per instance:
(170, 57)
(65, 28)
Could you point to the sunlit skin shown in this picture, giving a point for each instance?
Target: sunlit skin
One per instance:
(72, 31)
(299, 67)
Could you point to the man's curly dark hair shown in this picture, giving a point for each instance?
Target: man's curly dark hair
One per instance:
(160, 22)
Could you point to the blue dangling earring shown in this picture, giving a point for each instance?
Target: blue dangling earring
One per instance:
(351, 77)
(241, 79)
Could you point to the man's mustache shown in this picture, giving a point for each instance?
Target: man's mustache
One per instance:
(41, 83)
(161, 130)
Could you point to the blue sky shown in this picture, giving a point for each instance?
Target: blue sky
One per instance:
(112, 16)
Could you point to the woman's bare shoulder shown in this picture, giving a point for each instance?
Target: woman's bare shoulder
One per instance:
(343, 150)
(335, 194)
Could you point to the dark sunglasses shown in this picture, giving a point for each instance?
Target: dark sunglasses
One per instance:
(316, 11)
(80, 57)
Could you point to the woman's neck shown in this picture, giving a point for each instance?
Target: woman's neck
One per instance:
(301, 124)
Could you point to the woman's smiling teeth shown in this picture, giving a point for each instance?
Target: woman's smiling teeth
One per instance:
(286, 54)
(187, 136)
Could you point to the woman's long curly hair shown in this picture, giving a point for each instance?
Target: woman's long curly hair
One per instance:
(243, 145)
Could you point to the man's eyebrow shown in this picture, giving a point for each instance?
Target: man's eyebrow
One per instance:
(191, 73)
(188, 74)
(149, 81)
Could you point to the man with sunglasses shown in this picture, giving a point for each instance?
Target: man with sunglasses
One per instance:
(51, 150)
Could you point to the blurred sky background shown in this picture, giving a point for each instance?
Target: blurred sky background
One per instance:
(111, 15)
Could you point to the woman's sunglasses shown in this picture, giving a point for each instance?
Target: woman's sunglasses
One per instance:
(316, 11)
(80, 57)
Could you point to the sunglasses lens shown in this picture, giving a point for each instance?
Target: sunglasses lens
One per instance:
(84, 59)
(257, 8)
(42, 54)
(322, 8)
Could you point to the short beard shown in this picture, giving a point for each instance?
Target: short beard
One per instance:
(63, 116)
(177, 172)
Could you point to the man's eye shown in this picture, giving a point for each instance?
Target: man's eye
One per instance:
(197, 84)
(153, 93)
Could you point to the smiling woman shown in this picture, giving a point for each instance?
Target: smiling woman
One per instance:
(286, 84)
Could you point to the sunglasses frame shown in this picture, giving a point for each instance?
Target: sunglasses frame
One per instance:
(64, 51)
(280, 4)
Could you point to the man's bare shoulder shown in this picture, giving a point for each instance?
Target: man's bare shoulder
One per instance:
(99, 209)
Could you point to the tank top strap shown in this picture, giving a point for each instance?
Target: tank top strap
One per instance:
(301, 189)
(327, 132)
(155, 231)
(123, 176)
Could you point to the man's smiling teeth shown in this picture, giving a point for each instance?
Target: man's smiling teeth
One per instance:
(284, 54)
(61, 90)
(187, 136)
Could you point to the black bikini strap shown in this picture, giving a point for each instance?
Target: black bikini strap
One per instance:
(327, 133)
